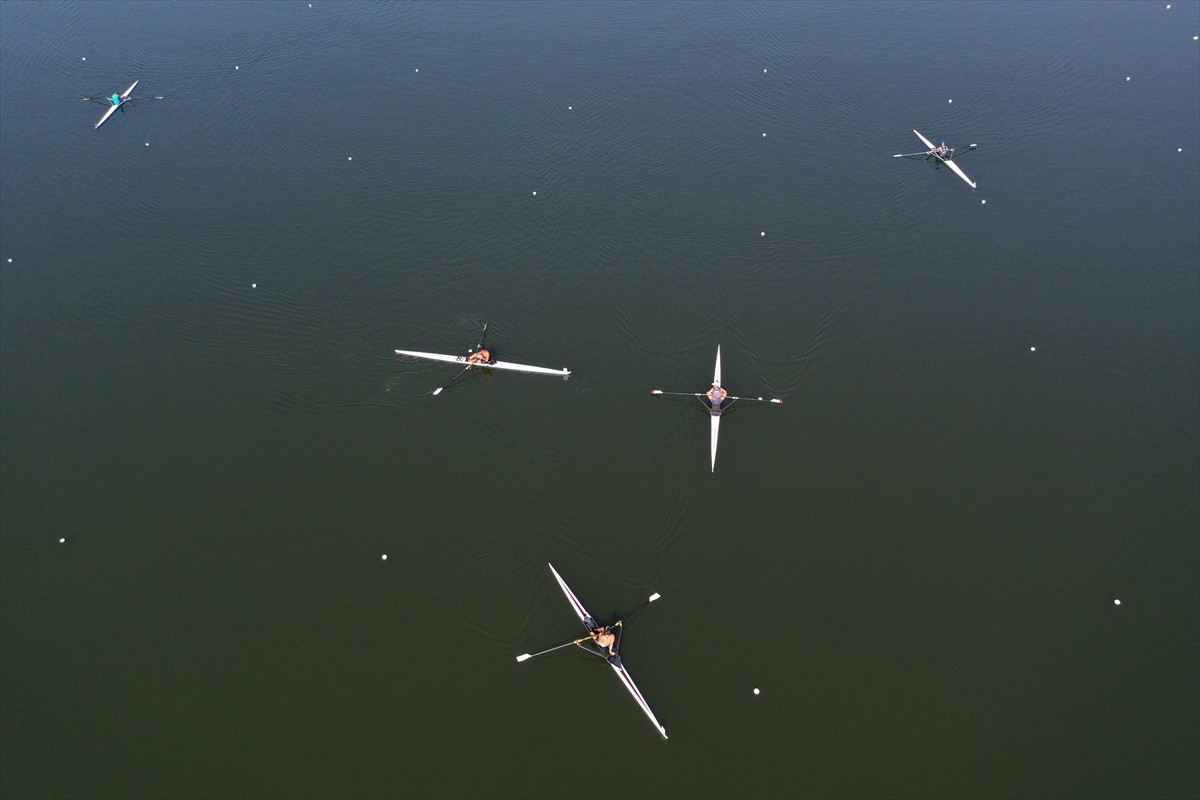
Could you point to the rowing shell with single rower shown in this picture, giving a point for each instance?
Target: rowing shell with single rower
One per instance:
(715, 410)
(590, 624)
(121, 100)
(948, 160)
(564, 372)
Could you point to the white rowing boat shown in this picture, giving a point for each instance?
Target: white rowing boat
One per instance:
(947, 159)
(589, 622)
(462, 360)
(124, 96)
(715, 413)
(715, 410)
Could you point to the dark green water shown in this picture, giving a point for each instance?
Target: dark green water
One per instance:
(915, 558)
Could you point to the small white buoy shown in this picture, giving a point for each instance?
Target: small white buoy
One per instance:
(349, 158)
(384, 556)
(1127, 77)
(147, 144)
(1168, 6)
(236, 67)
(416, 70)
(254, 286)
(535, 193)
(764, 136)
(62, 540)
(1180, 150)
(83, 59)
(1032, 349)
(951, 100)
(983, 202)
(10, 261)
(1117, 602)
(1195, 38)
(764, 72)
(756, 690)
(762, 233)
(569, 108)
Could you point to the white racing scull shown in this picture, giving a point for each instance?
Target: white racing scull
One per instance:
(117, 101)
(717, 408)
(564, 372)
(590, 624)
(944, 155)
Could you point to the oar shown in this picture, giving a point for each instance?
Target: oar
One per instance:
(439, 390)
(727, 397)
(629, 616)
(527, 656)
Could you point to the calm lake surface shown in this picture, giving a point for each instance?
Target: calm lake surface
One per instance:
(990, 433)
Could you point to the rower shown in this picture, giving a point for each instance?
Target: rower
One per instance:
(716, 394)
(481, 356)
(606, 639)
(116, 99)
(942, 150)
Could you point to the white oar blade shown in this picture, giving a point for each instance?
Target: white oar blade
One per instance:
(776, 400)
(656, 391)
(524, 657)
(438, 391)
(654, 597)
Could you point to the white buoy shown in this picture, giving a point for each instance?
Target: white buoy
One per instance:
(1032, 349)
(983, 202)
(10, 261)
(62, 540)
(535, 193)
(236, 67)
(254, 286)
(1117, 602)
(951, 100)
(1128, 77)
(147, 144)
(1180, 150)
(84, 58)
(762, 233)
(764, 72)
(570, 107)
(756, 690)
(764, 136)
(384, 556)
(416, 70)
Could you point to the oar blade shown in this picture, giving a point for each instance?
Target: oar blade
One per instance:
(654, 597)
(523, 657)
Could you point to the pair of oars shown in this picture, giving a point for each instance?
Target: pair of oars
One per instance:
(582, 639)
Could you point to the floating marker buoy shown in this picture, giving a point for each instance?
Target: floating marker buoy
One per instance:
(535, 194)
(254, 286)
(1180, 150)
(569, 108)
(756, 690)
(764, 136)
(951, 100)
(764, 72)
(762, 233)
(416, 70)
(384, 556)
(10, 261)
(1127, 77)
(1033, 349)
(349, 158)
(63, 540)
(83, 59)
(236, 67)
(147, 144)
(1117, 602)
(983, 202)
